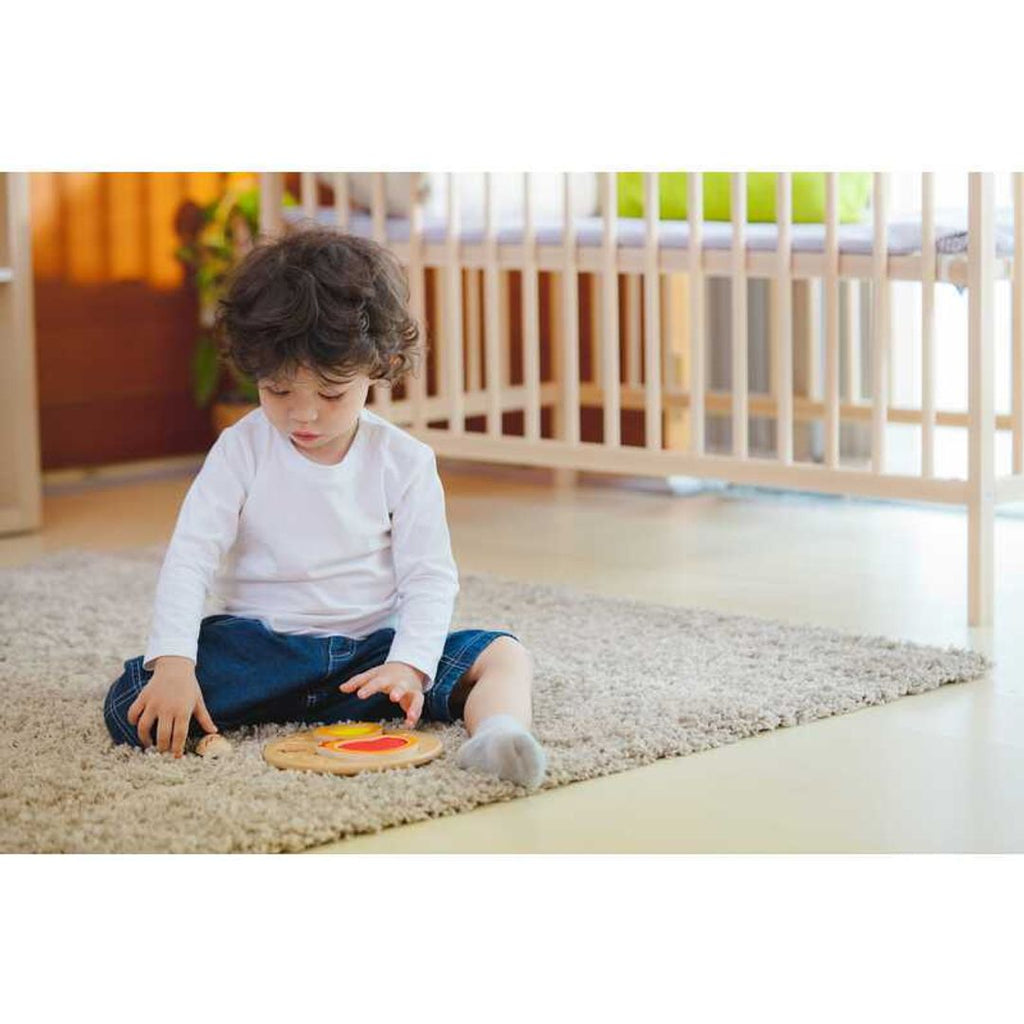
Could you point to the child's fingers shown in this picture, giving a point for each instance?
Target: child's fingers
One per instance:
(163, 733)
(203, 717)
(145, 725)
(375, 685)
(356, 681)
(413, 709)
(135, 710)
(179, 733)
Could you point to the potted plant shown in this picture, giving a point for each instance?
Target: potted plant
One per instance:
(215, 237)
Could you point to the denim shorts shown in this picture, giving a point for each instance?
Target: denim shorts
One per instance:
(250, 675)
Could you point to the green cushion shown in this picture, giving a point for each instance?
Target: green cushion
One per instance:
(808, 196)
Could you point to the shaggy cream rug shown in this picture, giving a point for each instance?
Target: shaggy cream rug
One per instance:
(619, 684)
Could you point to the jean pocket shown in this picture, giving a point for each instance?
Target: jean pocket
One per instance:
(340, 649)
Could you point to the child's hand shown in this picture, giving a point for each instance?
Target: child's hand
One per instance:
(170, 699)
(403, 683)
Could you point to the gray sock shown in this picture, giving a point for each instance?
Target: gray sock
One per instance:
(502, 746)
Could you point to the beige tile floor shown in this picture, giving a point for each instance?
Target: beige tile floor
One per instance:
(939, 772)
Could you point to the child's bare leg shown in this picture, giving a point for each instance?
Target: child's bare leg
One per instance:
(498, 715)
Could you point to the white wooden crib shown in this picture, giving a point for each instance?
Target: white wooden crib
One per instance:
(644, 345)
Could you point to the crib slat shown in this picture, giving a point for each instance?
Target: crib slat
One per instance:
(675, 361)
(596, 327)
(474, 369)
(695, 254)
(928, 264)
(492, 313)
(610, 314)
(832, 319)
(895, 310)
(852, 389)
(379, 209)
(570, 364)
(879, 324)
(439, 328)
(417, 292)
(738, 284)
(505, 342)
(341, 199)
(1017, 326)
(652, 319)
(531, 317)
(382, 393)
(453, 312)
(810, 298)
(271, 200)
(632, 323)
(783, 333)
(307, 193)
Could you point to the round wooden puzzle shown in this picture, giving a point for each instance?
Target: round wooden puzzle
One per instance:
(352, 747)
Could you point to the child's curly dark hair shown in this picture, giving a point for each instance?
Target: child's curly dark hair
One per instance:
(318, 298)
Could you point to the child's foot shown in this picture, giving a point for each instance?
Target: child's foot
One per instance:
(504, 747)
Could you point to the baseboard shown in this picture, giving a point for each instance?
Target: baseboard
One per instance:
(61, 481)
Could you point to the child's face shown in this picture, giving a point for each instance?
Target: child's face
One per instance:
(318, 418)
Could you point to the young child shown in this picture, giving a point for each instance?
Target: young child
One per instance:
(321, 527)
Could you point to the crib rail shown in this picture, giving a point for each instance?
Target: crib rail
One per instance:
(598, 358)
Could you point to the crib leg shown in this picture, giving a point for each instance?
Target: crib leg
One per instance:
(980, 562)
(981, 402)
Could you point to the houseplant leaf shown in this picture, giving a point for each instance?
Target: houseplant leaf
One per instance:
(205, 370)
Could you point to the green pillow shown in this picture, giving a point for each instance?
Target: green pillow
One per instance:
(808, 196)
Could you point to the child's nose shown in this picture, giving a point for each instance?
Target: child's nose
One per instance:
(303, 412)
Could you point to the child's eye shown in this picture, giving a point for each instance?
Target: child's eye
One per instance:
(281, 392)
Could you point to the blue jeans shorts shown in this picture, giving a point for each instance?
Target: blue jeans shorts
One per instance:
(250, 675)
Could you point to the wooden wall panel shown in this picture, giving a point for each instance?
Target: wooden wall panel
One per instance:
(113, 370)
(115, 324)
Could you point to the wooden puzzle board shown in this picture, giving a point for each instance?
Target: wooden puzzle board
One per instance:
(298, 753)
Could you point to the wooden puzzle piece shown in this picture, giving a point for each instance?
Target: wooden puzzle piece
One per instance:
(362, 747)
(214, 745)
(348, 730)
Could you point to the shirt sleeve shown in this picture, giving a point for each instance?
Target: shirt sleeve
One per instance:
(426, 577)
(205, 530)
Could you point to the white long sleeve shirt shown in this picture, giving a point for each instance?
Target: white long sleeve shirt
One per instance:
(343, 549)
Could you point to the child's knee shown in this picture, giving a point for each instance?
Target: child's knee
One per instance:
(503, 654)
(119, 699)
(513, 653)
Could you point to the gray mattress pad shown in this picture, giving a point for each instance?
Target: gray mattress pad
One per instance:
(903, 234)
